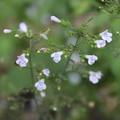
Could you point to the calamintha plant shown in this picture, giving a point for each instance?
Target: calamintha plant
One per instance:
(67, 52)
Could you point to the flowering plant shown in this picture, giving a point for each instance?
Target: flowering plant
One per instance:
(57, 56)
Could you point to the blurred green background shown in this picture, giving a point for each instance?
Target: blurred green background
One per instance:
(83, 101)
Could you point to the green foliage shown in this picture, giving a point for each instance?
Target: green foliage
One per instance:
(112, 7)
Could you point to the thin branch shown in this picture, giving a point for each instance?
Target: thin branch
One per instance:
(30, 61)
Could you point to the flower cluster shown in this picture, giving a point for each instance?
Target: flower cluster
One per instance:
(22, 60)
(22, 28)
(40, 85)
(106, 38)
(94, 77)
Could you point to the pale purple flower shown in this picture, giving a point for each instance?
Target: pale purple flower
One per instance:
(91, 59)
(57, 56)
(55, 19)
(23, 27)
(7, 31)
(46, 72)
(100, 43)
(40, 85)
(107, 36)
(94, 77)
(22, 60)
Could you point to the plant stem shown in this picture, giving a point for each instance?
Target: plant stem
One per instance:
(30, 61)
(32, 71)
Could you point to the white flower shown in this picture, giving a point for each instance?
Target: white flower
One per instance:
(55, 19)
(23, 27)
(44, 36)
(46, 72)
(7, 31)
(107, 36)
(100, 43)
(57, 56)
(22, 60)
(91, 59)
(94, 77)
(40, 85)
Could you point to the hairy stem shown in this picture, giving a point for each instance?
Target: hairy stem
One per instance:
(32, 71)
(30, 61)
